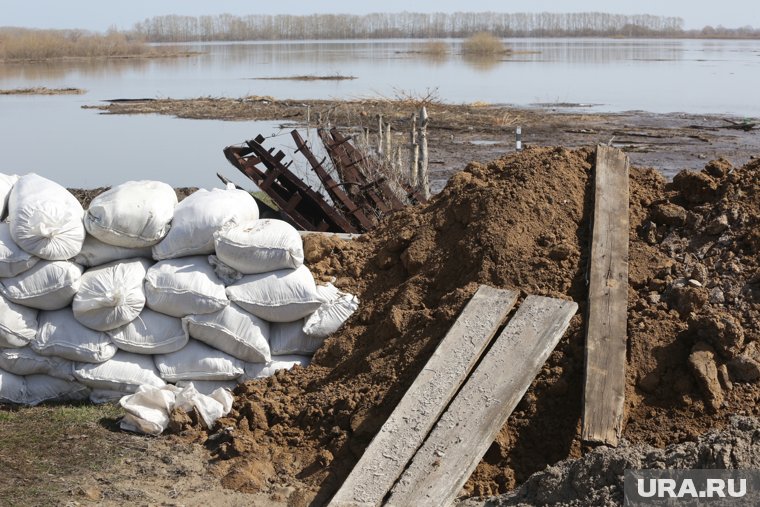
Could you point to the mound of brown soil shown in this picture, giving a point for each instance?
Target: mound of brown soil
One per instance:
(521, 222)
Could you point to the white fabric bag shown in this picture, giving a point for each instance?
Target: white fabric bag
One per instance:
(42, 388)
(263, 370)
(232, 330)
(25, 361)
(207, 387)
(6, 185)
(48, 285)
(148, 410)
(151, 333)
(94, 252)
(184, 286)
(12, 388)
(18, 324)
(198, 361)
(45, 219)
(279, 296)
(331, 315)
(259, 246)
(111, 295)
(123, 372)
(289, 338)
(99, 396)
(13, 259)
(62, 335)
(210, 408)
(199, 216)
(134, 214)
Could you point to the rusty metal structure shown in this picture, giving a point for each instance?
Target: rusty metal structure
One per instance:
(358, 188)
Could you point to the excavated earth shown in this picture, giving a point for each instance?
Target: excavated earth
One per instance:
(520, 222)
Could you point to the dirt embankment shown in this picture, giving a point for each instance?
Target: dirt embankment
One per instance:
(520, 222)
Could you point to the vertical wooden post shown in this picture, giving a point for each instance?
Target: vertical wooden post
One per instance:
(380, 134)
(423, 163)
(308, 120)
(388, 152)
(366, 137)
(414, 152)
(398, 164)
(518, 138)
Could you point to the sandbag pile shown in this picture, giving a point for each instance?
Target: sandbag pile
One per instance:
(140, 290)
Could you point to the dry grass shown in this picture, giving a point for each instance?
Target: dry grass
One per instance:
(22, 44)
(311, 77)
(435, 48)
(483, 44)
(43, 91)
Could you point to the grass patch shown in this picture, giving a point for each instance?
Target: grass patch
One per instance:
(42, 446)
(330, 77)
(435, 48)
(263, 197)
(43, 91)
(484, 44)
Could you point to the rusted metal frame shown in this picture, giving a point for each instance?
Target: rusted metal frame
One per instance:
(385, 190)
(293, 183)
(351, 169)
(352, 180)
(247, 165)
(333, 187)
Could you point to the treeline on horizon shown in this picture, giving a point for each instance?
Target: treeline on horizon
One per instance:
(228, 27)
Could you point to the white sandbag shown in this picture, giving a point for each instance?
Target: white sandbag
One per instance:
(25, 361)
(13, 258)
(100, 396)
(134, 214)
(199, 216)
(6, 185)
(111, 295)
(18, 324)
(124, 372)
(48, 285)
(259, 246)
(289, 338)
(148, 410)
(198, 361)
(207, 387)
(45, 219)
(42, 388)
(185, 286)
(210, 407)
(12, 388)
(94, 252)
(278, 296)
(263, 370)
(232, 330)
(226, 274)
(151, 333)
(62, 335)
(330, 316)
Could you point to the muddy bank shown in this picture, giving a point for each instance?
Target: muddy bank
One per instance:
(520, 222)
(461, 133)
(43, 91)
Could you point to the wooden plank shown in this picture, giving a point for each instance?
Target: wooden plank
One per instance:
(419, 409)
(465, 432)
(606, 332)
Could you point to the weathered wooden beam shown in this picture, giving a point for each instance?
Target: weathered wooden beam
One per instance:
(404, 431)
(470, 424)
(606, 332)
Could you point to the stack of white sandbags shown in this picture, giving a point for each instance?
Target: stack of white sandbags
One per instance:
(138, 300)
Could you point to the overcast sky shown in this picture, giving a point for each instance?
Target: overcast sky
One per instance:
(100, 14)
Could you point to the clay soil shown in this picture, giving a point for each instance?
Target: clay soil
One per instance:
(519, 222)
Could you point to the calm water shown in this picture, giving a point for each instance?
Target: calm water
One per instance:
(55, 137)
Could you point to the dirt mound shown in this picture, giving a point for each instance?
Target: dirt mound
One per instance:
(597, 478)
(520, 222)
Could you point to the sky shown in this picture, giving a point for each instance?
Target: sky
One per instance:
(99, 15)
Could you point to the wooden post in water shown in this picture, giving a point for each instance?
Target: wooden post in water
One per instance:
(398, 164)
(423, 163)
(414, 152)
